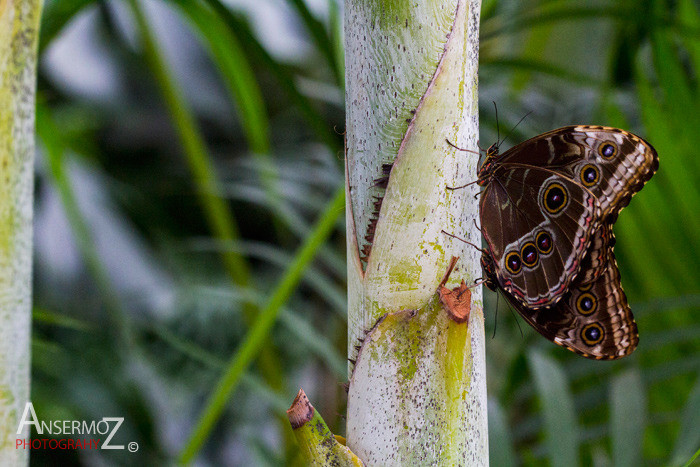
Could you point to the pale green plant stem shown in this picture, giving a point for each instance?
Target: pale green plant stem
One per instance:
(19, 31)
(417, 390)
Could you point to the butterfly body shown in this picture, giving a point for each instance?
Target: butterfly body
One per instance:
(546, 213)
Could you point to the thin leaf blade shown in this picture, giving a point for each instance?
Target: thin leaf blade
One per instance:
(560, 425)
(628, 418)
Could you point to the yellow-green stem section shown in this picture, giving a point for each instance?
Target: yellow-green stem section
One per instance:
(318, 446)
(458, 352)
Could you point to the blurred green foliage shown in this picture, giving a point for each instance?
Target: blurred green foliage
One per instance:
(189, 177)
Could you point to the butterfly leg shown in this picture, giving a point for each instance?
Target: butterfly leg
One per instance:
(477, 282)
(463, 240)
(462, 186)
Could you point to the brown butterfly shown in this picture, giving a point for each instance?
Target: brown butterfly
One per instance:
(546, 212)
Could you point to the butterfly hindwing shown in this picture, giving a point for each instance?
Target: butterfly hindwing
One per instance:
(538, 226)
(596, 260)
(592, 320)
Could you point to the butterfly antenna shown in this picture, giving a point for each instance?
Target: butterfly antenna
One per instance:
(516, 125)
(495, 318)
(518, 323)
(498, 129)
(516, 319)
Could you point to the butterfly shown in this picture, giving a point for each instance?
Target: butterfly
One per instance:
(546, 211)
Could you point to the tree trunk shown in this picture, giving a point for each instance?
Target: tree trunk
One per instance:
(19, 22)
(417, 392)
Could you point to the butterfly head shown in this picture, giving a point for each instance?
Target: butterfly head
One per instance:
(492, 151)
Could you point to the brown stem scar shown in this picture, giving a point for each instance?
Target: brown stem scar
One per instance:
(301, 410)
(457, 302)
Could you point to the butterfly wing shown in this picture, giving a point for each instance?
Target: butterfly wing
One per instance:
(596, 260)
(612, 163)
(592, 320)
(538, 226)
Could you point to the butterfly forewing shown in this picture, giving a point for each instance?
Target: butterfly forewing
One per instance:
(612, 163)
(538, 226)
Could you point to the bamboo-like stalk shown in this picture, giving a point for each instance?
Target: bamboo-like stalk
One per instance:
(418, 390)
(19, 24)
